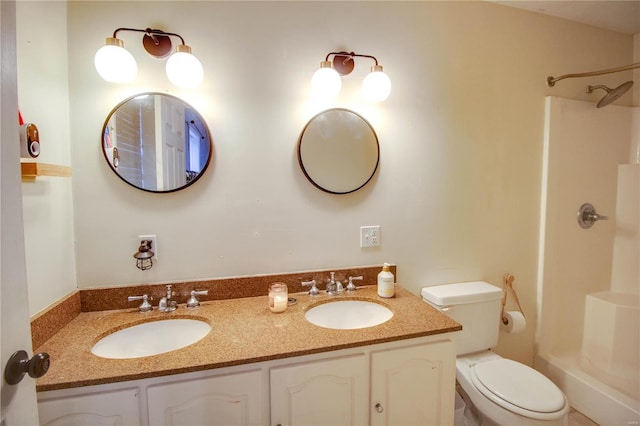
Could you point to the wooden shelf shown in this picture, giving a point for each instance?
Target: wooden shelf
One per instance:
(31, 170)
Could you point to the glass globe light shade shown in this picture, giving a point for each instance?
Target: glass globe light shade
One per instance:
(326, 82)
(114, 63)
(184, 69)
(376, 85)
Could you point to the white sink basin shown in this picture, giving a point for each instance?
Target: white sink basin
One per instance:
(151, 338)
(348, 314)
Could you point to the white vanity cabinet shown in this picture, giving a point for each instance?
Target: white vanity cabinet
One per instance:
(387, 384)
(409, 382)
(92, 406)
(229, 399)
(226, 396)
(319, 393)
(413, 385)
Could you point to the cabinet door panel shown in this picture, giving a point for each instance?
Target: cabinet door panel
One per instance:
(413, 385)
(329, 392)
(115, 408)
(234, 399)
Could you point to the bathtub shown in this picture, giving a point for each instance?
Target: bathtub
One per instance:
(602, 379)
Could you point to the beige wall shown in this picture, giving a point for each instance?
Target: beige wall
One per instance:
(458, 190)
(43, 96)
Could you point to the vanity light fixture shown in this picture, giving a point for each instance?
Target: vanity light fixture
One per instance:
(116, 65)
(326, 83)
(144, 255)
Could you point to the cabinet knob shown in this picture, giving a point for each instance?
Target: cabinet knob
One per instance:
(379, 408)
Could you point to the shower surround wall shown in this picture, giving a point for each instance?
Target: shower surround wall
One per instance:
(587, 337)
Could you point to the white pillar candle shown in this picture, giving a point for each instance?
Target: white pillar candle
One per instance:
(278, 297)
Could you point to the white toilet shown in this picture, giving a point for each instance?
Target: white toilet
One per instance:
(501, 391)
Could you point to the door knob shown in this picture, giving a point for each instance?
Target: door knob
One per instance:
(19, 364)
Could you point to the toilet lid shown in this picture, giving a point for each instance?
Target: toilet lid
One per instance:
(508, 382)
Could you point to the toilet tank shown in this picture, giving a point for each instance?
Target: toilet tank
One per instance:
(476, 306)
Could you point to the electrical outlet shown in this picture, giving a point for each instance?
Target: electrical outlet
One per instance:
(154, 243)
(369, 236)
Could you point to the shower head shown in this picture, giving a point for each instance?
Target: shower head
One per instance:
(612, 94)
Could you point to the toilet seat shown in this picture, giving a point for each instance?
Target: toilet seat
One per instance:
(518, 388)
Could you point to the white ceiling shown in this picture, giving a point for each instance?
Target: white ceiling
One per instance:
(615, 15)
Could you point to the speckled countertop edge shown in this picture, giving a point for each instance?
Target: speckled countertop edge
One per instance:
(243, 331)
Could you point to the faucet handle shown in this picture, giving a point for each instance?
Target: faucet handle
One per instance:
(351, 286)
(314, 290)
(193, 300)
(145, 306)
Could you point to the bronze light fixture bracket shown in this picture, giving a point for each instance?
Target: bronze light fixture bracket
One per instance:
(157, 43)
(343, 62)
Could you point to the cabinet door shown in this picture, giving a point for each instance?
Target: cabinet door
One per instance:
(413, 385)
(328, 392)
(232, 399)
(111, 408)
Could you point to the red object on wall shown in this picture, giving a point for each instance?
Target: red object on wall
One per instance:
(20, 120)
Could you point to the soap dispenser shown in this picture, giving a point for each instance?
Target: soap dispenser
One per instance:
(386, 286)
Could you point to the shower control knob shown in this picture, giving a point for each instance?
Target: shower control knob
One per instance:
(587, 216)
(19, 364)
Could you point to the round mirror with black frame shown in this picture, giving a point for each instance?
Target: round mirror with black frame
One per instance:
(156, 142)
(338, 151)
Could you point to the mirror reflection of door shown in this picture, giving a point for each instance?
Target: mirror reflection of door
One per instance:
(156, 142)
(170, 143)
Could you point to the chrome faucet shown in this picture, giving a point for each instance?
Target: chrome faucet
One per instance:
(314, 290)
(145, 306)
(193, 300)
(166, 304)
(332, 285)
(351, 286)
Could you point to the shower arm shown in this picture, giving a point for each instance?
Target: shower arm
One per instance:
(551, 81)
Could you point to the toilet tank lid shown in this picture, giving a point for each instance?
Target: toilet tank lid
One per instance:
(459, 293)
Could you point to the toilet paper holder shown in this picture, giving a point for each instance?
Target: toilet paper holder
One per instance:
(508, 285)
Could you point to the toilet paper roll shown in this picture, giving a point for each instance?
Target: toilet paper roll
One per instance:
(515, 322)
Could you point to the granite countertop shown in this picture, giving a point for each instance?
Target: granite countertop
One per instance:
(243, 331)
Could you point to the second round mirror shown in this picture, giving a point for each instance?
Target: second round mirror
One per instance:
(338, 151)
